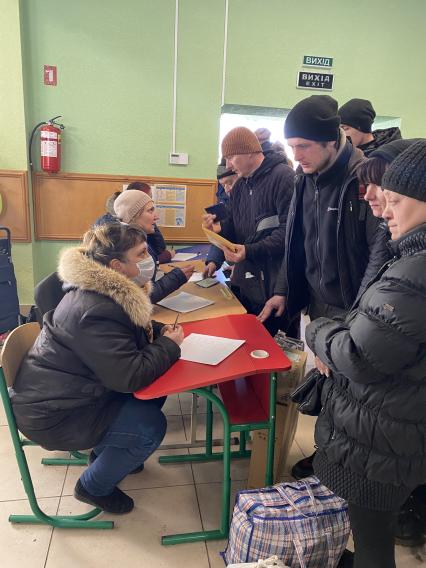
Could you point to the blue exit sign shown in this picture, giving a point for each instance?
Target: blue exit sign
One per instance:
(316, 61)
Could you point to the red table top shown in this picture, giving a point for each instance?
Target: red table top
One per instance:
(186, 375)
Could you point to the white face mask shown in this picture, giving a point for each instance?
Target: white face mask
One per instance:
(146, 269)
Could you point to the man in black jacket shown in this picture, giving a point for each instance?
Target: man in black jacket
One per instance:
(334, 245)
(257, 219)
(357, 116)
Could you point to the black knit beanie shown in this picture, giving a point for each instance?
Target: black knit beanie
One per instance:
(358, 113)
(388, 152)
(314, 118)
(407, 173)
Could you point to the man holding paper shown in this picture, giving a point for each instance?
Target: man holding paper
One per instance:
(256, 223)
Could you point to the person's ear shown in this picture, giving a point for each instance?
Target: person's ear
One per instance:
(116, 265)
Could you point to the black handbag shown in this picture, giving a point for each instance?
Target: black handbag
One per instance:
(308, 394)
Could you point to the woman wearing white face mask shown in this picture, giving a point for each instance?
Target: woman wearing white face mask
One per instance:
(73, 390)
(137, 208)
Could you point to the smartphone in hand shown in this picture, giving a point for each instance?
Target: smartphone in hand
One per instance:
(219, 210)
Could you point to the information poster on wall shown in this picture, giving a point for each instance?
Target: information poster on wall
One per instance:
(170, 202)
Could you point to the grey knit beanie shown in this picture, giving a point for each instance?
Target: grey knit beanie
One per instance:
(407, 173)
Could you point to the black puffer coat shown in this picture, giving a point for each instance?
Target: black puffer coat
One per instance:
(98, 343)
(371, 432)
(257, 218)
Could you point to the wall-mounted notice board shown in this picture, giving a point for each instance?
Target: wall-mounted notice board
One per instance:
(67, 204)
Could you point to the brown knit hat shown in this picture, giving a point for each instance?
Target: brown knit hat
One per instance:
(240, 140)
(129, 203)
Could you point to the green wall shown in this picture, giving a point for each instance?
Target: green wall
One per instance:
(377, 46)
(12, 117)
(115, 73)
(13, 155)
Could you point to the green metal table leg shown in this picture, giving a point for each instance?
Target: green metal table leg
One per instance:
(243, 441)
(214, 456)
(222, 532)
(209, 426)
(193, 537)
(269, 476)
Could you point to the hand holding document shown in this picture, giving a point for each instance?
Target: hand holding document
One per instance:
(208, 349)
(219, 241)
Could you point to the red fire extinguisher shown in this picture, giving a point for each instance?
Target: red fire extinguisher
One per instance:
(50, 145)
(50, 142)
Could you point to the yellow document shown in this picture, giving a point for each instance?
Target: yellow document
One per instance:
(218, 240)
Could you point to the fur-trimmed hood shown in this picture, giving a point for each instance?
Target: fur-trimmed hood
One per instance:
(78, 270)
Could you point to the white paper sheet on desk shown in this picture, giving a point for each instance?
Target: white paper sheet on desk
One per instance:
(184, 302)
(196, 277)
(182, 256)
(208, 349)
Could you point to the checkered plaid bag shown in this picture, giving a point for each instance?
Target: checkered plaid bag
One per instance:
(303, 523)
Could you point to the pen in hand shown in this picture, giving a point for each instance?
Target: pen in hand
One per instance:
(176, 320)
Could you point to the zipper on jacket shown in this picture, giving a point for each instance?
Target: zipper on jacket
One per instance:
(339, 222)
(352, 221)
(317, 234)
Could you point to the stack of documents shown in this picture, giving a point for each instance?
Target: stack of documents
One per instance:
(208, 349)
(184, 302)
(183, 256)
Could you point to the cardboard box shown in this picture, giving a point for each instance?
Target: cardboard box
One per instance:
(286, 418)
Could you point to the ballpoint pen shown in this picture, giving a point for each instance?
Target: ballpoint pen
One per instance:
(176, 320)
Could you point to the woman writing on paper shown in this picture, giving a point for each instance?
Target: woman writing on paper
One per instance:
(73, 390)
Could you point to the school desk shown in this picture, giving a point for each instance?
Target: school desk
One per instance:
(248, 391)
(225, 302)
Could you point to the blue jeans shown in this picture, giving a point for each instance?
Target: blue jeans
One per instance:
(135, 433)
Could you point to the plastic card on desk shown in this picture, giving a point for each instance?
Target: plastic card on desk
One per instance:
(208, 349)
(184, 302)
(184, 256)
(219, 241)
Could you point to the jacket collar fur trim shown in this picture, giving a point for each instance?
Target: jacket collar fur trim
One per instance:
(80, 271)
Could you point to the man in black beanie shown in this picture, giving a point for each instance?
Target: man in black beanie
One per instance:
(333, 243)
(357, 117)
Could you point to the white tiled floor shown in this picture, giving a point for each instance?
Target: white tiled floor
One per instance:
(169, 498)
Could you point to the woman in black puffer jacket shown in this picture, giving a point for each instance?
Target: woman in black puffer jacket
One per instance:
(74, 389)
(371, 433)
